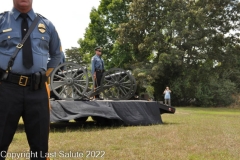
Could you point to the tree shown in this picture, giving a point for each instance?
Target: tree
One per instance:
(102, 32)
(74, 55)
(186, 44)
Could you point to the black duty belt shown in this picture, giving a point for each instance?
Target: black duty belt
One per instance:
(21, 80)
(98, 70)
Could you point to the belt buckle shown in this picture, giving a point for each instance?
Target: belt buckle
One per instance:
(23, 81)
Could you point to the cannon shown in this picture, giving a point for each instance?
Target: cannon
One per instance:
(71, 81)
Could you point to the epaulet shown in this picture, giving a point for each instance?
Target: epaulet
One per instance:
(3, 12)
(41, 16)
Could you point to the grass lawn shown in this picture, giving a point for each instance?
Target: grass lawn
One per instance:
(189, 134)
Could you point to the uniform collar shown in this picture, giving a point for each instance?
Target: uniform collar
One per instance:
(16, 14)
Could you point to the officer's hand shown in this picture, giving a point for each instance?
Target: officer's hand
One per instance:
(94, 75)
(49, 71)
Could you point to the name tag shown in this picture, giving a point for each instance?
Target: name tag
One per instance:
(7, 30)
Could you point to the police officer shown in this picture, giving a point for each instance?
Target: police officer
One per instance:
(97, 68)
(17, 99)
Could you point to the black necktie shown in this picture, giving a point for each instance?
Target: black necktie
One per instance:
(27, 47)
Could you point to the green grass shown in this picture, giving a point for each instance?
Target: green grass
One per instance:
(189, 134)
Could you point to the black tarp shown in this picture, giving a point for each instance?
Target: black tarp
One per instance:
(130, 112)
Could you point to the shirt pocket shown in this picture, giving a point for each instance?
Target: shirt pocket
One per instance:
(98, 64)
(8, 42)
(40, 43)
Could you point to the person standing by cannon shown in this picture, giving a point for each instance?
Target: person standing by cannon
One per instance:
(97, 68)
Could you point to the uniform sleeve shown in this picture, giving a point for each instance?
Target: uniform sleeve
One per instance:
(93, 65)
(55, 48)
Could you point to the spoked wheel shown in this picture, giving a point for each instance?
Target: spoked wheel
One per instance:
(117, 84)
(91, 84)
(134, 86)
(69, 81)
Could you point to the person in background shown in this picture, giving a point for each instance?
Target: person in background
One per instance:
(97, 68)
(167, 96)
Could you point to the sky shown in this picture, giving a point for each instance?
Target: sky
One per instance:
(70, 17)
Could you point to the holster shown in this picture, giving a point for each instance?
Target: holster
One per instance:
(35, 80)
(3, 75)
(38, 80)
(43, 79)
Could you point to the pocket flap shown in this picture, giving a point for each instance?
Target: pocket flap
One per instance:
(9, 35)
(41, 36)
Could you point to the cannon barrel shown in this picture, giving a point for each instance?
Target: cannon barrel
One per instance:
(79, 71)
(122, 74)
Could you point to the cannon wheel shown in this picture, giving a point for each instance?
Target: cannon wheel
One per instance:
(134, 86)
(91, 84)
(69, 81)
(117, 84)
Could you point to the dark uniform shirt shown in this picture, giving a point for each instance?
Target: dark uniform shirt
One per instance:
(97, 63)
(44, 38)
